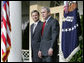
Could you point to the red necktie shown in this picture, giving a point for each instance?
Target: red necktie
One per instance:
(43, 27)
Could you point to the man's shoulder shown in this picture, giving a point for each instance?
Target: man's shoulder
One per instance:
(32, 24)
(41, 22)
(53, 20)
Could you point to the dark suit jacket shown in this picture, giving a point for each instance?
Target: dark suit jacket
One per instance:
(50, 35)
(36, 37)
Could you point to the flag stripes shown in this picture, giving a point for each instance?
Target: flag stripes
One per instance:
(5, 31)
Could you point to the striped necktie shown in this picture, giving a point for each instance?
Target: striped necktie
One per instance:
(34, 28)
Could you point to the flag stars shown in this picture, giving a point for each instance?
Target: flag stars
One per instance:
(62, 30)
(70, 29)
(66, 30)
(77, 25)
(74, 27)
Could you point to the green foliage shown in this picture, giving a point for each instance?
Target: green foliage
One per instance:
(78, 57)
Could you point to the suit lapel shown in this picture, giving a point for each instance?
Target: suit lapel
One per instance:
(48, 21)
(47, 24)
(32, 30)
(37, 27)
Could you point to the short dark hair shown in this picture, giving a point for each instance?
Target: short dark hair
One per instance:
(34, 11)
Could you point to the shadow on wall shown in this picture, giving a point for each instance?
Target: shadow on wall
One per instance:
(25, 37)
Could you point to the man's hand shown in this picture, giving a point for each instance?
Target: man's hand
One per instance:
(50, 52)
(40, 54)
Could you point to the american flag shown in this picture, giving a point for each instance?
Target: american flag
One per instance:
(5, 30)
(66, 4)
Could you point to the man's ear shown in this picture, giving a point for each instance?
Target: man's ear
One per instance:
(49, 13)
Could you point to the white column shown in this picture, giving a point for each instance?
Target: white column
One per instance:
(30, 55)
(16, 32)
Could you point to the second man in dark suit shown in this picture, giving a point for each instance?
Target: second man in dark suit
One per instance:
(36, 29)
(50, 33)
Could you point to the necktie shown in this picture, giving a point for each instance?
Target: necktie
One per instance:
(43, 27)
(34, 28)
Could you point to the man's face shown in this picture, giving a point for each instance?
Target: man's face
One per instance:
(44, 14)
(35, 16)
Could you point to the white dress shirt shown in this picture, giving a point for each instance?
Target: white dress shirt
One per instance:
(35, 24)
(48, 19)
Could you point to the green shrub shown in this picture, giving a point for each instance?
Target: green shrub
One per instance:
(78, 57)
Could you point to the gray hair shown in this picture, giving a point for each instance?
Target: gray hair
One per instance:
(48, 10)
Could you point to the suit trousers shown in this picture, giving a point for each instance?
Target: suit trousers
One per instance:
(46, 59)
(36, 59)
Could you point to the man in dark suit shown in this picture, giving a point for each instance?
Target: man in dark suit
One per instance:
(50, 33)
(36, 29)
